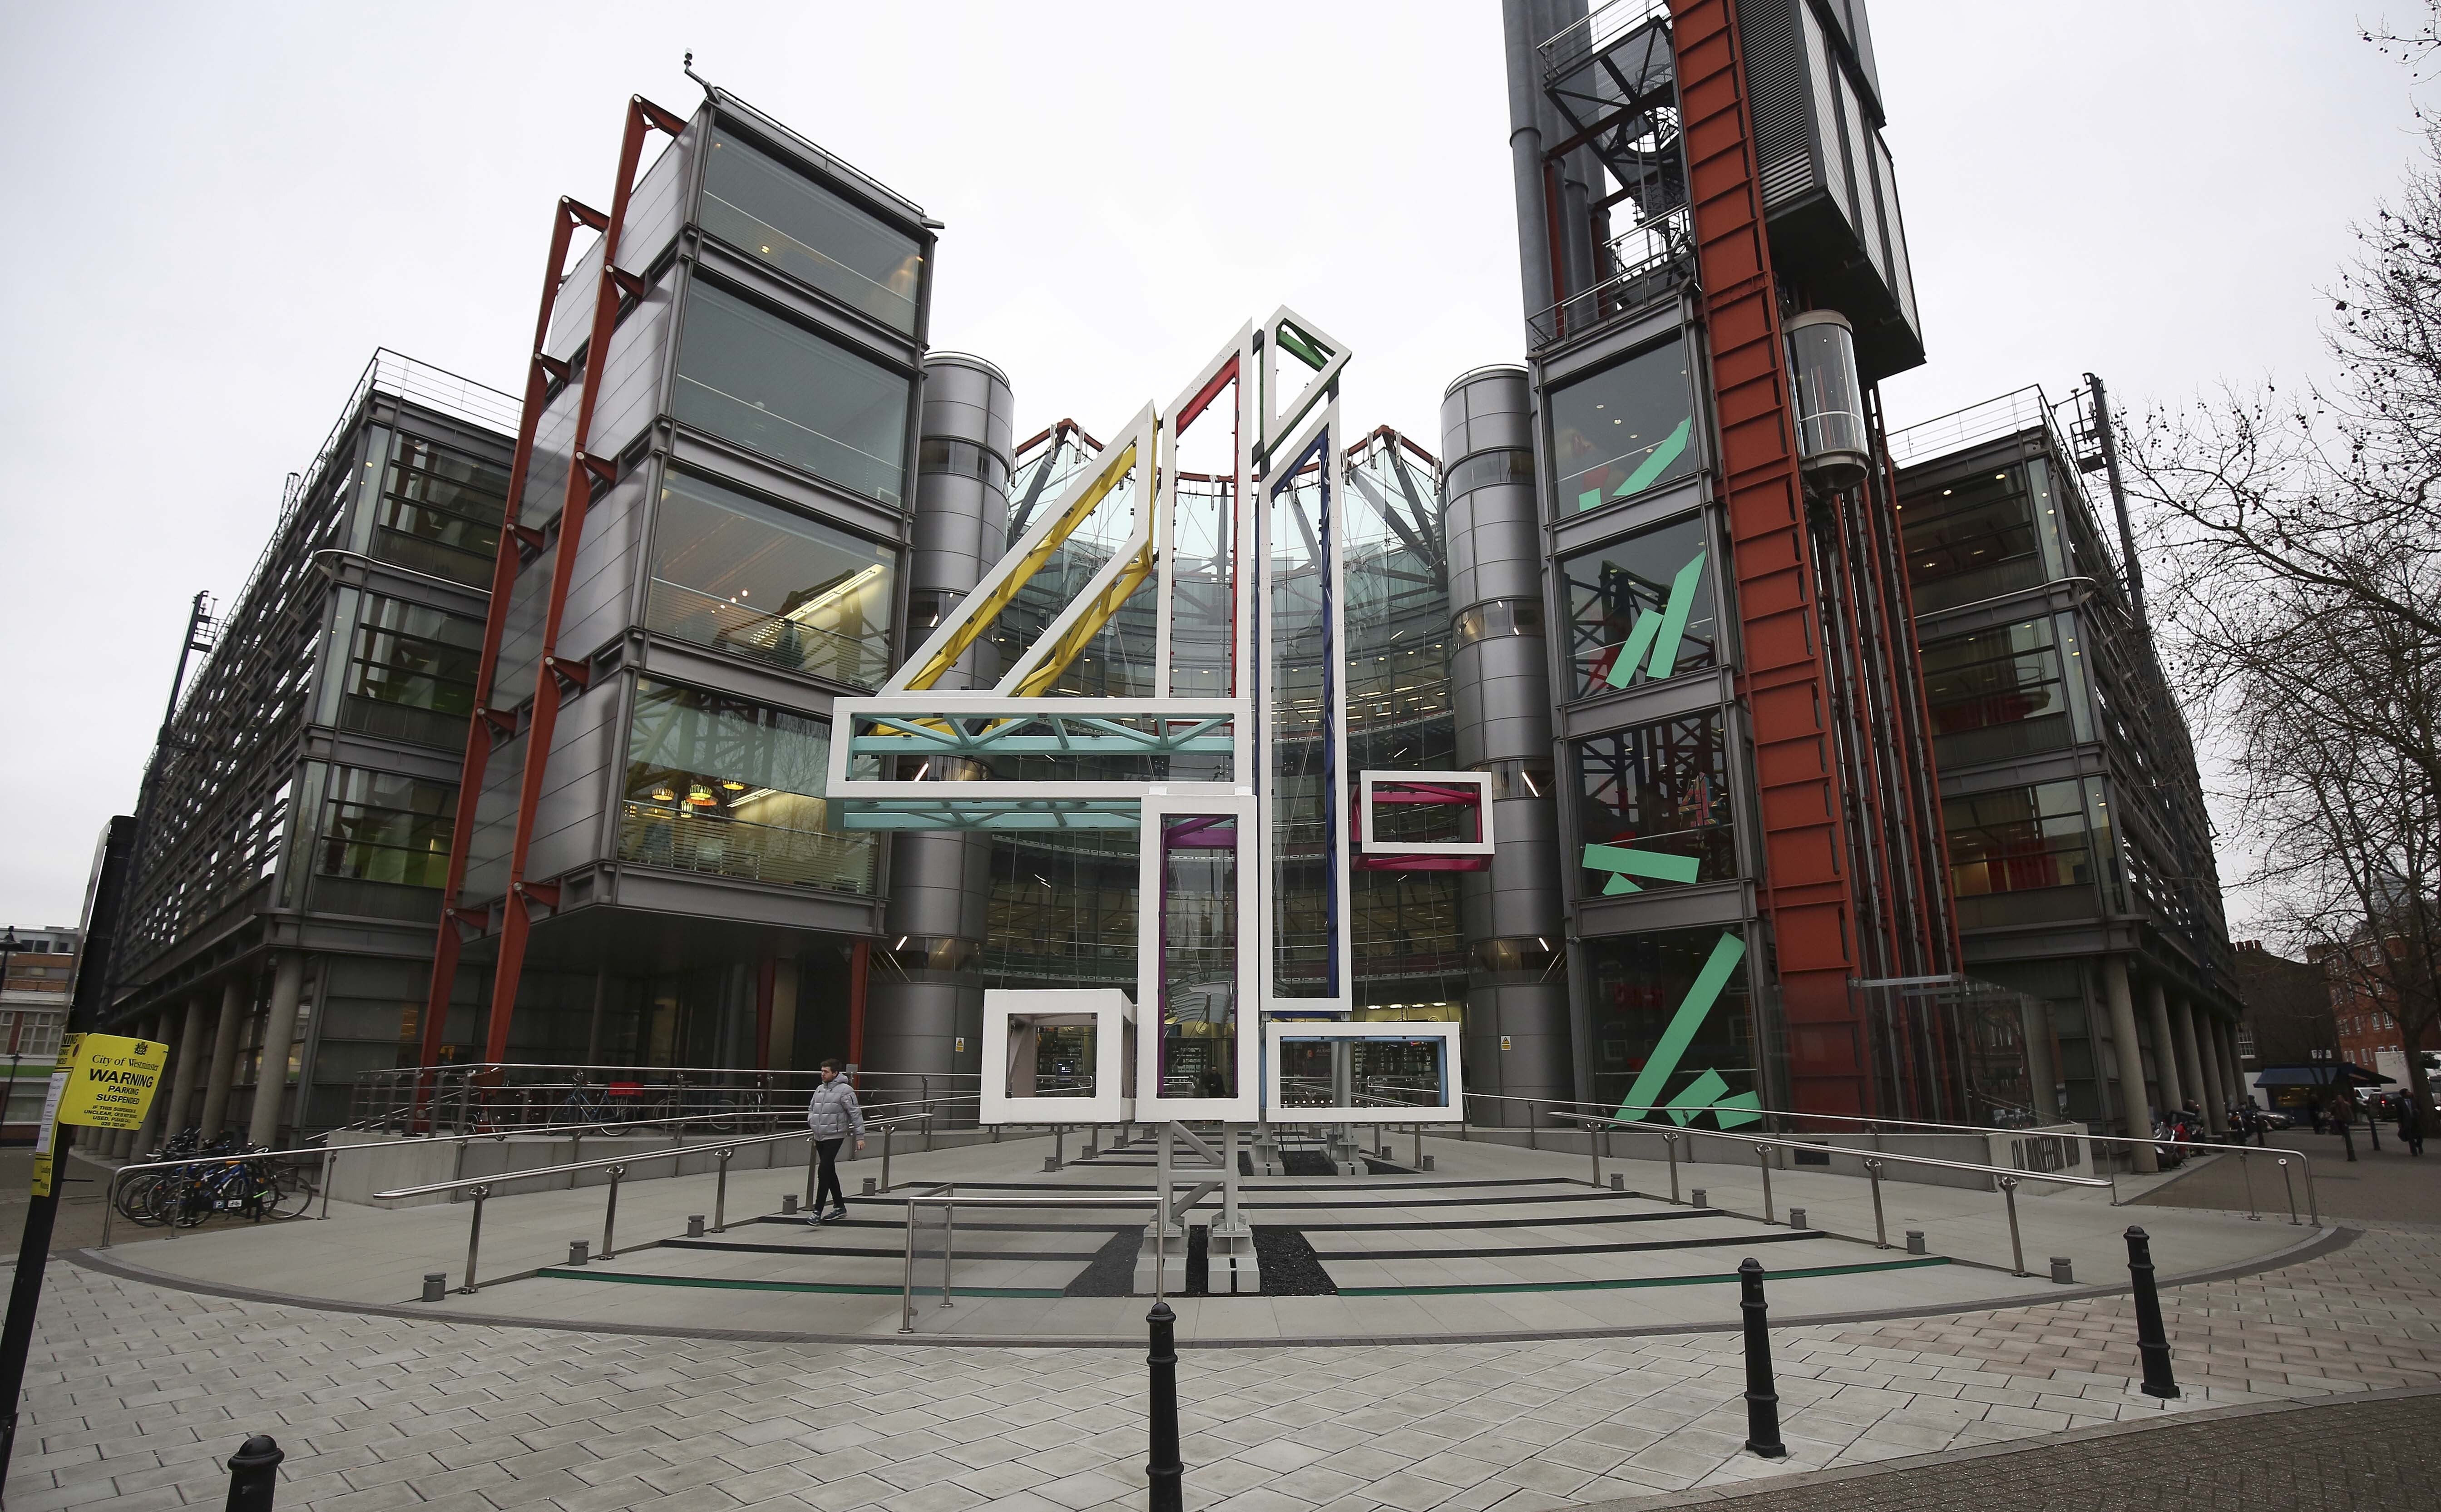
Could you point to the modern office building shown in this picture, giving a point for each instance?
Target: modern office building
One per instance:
(41, 967)
(295, 817)
(1658, 584)
(2080, 855)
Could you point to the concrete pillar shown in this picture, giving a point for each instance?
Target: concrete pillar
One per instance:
(921, 1005)
(2169, 1071)
(2206, 1055)
(784, 1014)
(2042, 1070)
(191, 1058)
(279, 1034)
(2136, 1113)
(1518, 1034)
(147, 1135)
(235, 1001)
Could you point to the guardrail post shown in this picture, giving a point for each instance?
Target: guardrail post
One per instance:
(1166, 1472)
(949, 1238)
(813, 1162)
(928, 1129)
(1762, 1157)
(2017, 1245)
(720, 1190)
(887, 1131)
(1873, 1174)
(907, 1281)
(474, 1239)
(610, 1213)
(1594, 1148)
(2247, 1173)
(1420, 1146)
(254, 1474)
(1762, 1402)
(1669, 1141)
(1533, 1126)
(2152, 1341)
(2291, 1183)
(330, 1163)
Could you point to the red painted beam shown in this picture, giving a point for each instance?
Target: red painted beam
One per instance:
(1806, 891)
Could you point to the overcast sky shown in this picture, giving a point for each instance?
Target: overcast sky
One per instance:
(218, 212)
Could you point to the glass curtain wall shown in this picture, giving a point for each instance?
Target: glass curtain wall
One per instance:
(737, 575)
(762, 207)
(1673, 1026)
(1198, 955)
(720, 786)
(1626, 429)
(749, 376)
(440, 511)
(2041, 852)
(1654, 808)
(1641, 611)
(410, 672)
(2006, 691)
(1983, 536)
(382, 835)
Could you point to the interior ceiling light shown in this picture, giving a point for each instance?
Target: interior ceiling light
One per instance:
(700, 795)
(663, 795)
(732, 785)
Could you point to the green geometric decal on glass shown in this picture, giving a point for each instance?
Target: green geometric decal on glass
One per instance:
(1657, 463)
(1661, 632)
(1704, 1092)
(1623, 863)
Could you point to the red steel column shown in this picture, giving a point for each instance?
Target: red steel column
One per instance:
(565, 218)
(1806, 891)
(554, 675)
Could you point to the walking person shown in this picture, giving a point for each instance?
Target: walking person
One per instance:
(832, 1114)
(2410, 1123)
(2343, 1118)
(2315, 1107)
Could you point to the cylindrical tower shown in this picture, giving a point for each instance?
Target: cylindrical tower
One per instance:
(925, 995)
(1517, 1030)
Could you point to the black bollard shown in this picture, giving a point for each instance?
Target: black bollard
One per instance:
(1762, 1402)
(254, 1474)
(1165, 1472)
(2152, 1341)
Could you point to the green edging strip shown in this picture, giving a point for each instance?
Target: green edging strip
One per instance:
(1727, 1278)
(828, 1287)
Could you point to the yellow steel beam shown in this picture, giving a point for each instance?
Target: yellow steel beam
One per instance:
(1080, 635)
(980, 615)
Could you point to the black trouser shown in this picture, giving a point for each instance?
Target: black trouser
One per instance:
(2414, 1135)
(2345, 1128)
(828, 1181)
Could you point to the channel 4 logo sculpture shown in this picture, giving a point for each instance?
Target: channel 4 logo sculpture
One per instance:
(1241, 740)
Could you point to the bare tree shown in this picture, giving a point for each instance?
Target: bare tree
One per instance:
(2301, 610)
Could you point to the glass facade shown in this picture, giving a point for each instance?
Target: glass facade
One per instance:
(747, 578)
(439, 512)
(1981, 536)
(1654, 805)
(1628, 428)
(720, 786)
(767, 209)
(749, 376)
(2006, 691)
(1673, 1026)
(410, 672)
(1642, 609)
(1198, 955)
(385, 828)
(2051, 838)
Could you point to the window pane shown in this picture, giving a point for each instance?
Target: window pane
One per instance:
(1673, 1026)
(440, 511)
(412, 673)
(1971, 539)
(381, 827)
(1625, 429)
(738, 575)
(2018, 839)
(747, 375)
(1995, 693)
(722, 785)
(1199, 960)
(762, 207)
(1657, 808)
(1641, 611)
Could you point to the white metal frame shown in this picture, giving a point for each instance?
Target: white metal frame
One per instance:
(1480, 781)
(1246, 1107)
(1453, 1109)
(1109, 1013)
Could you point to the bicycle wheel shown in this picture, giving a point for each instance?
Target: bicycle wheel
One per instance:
(289, 1193)
(135, 1199)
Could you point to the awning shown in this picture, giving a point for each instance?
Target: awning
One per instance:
(2326, 1074)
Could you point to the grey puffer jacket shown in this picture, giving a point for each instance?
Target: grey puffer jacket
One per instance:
(833, 1111)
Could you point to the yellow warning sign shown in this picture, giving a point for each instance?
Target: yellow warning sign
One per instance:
(112, 1081)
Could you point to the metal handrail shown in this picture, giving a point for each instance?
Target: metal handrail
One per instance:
(675, 1152)
(944, 1194)
(1876, 1125)
(2005, 1178)
(110, 1189)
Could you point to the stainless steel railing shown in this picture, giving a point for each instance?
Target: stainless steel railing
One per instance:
(945, 1197)
(2004, 1177)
